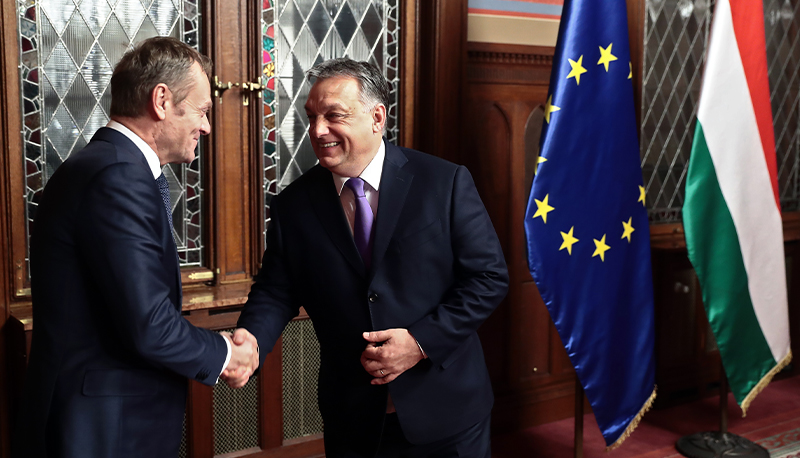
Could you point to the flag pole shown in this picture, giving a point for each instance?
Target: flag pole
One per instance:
(711, 444)
(578, 442)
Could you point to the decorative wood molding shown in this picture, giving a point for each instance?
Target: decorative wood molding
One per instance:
(672, 237)
(508, 64)
(488, 53)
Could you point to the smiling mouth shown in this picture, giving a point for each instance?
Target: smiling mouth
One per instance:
(329, 145)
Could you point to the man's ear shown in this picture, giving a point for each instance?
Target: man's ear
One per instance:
(378, 118)
(160, 98)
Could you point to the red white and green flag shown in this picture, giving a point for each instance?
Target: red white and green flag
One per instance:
(732, 215)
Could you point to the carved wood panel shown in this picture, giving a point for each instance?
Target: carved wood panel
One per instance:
(505, 90)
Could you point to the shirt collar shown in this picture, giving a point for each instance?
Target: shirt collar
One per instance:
(371, 175)
(149, 154)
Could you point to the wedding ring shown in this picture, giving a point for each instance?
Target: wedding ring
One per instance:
(381, 371)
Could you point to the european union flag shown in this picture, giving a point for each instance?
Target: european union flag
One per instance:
(586, 223)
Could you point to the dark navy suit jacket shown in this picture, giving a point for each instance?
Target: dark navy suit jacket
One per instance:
(111, 353)
(437, 270)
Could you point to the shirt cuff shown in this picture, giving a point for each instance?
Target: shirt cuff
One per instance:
(424, 356)
(228, 357)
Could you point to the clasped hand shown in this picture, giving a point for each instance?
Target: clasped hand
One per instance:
(389, 353)
(244, 358)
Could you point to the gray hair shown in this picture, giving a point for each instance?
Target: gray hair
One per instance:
(373, 87)
(152, 62)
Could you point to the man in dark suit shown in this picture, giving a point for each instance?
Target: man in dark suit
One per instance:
(395, 260)
(111, 353)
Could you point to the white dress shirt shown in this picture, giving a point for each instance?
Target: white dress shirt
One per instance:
(372, 180)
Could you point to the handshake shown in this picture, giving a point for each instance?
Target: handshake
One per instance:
(244, 358)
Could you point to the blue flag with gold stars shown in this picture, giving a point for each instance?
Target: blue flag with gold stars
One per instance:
(586, 223)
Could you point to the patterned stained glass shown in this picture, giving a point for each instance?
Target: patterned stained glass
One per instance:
(297, 34)
(676, 34)
(68, 49)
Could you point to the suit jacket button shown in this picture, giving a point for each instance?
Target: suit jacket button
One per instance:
(373, 297)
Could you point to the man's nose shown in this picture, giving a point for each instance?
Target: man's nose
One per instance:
(205, 126)
(318, 128)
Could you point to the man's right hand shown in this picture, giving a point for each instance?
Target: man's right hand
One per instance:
(244, 358)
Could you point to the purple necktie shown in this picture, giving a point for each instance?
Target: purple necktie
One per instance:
(362, 223)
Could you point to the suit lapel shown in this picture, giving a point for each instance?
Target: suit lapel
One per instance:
(121, 141)
(395, 183)
(328, 208)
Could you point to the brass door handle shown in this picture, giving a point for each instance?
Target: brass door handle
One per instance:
(252, 86)
(220, 87)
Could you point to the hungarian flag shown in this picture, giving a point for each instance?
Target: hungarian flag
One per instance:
(732, 214)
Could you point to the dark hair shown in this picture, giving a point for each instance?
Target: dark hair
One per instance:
(373, 87)
(153, 61)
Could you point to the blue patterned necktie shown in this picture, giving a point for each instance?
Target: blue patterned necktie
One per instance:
(362, 223)
(163, 186)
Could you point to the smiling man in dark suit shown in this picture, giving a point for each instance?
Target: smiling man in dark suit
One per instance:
(111, 353)
(395, 260)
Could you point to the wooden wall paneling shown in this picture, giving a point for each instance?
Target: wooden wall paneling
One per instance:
(229, 160)
(10, 208)
(636, 10)
(409, 18)
(506, 87)
(442, 35)
(270, 395)
(489, 150)
(13, 165)
(200, 421)
(687, 363)
(793, 283)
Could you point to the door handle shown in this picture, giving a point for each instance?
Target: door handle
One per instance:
(220, 87)
(251, 86)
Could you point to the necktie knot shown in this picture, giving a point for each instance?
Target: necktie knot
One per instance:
(356, 185)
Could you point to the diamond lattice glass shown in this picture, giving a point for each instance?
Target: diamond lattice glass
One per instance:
(676, 36)
(68, 49)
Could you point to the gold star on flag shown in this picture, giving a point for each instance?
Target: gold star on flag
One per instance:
(550, 108)
(543, 208)
(606, 57)
(539, 160)
(601, 248)
(641, 195)
(627, 229)
(577, 69)
(630, 70)
(569, 240)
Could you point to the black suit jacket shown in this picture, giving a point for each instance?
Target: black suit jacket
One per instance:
(111, 352)
(437, 270)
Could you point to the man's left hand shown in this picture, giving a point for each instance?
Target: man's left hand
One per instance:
(389, 353)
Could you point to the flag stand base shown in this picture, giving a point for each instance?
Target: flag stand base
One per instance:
(720, 444)
(714, 444)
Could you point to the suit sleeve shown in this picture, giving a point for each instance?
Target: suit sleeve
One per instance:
(120, 237)
(270, 306)
(481, 276)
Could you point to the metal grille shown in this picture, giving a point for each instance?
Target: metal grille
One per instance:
(68, 49)
(674, 55)
(783, 57)
(183, 451)
(235, 416)
(298, 34)
(301, 415)
(676, 34)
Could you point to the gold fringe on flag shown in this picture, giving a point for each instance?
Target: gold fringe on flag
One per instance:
(763, 383)
(635, 422)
